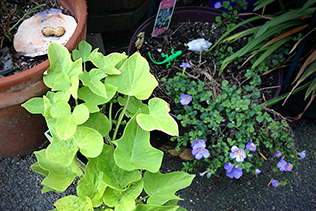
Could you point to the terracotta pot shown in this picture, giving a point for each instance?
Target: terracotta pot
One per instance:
(21, 132)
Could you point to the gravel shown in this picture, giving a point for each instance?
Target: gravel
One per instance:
(20, 187)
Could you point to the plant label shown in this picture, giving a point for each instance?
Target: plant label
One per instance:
(163, 17)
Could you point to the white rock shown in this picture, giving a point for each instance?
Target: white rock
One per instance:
(195, 45)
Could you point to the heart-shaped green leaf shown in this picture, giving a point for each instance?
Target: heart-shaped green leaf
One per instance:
(73, 203)
(135, 78)
(60, 63)
(92, 100)
(34, 105)
(91, 184)
(158, 118)
(85, 139)
(66, 121)
(127, 200)
(113, 175)
(58, 177)
(92, 79)
(83, 51)
(107, 63)
(162, 187)
(134, 151)
(99, 122)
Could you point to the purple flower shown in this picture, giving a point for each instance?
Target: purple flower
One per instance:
(185, 99)
(251, 146)
(258, 171)
(217, 5)
(282, 165)
(198, 143)
(237, 153)
(232, 171)
(303, 154)
(288, 167)
(250, 155)
(185, 65)
(278, 154)
(208, 174)
(275, 183)
(200, 152)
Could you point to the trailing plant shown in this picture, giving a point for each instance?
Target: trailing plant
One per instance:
(232, 124)
(109, 123)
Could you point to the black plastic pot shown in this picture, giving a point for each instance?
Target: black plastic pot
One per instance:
(109, 15)
(194, 14)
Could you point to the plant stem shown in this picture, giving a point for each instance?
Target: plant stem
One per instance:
(29, 12)
(120, 118)
(141, 199)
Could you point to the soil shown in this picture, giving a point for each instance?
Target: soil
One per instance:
(11, 62)
(204, 66)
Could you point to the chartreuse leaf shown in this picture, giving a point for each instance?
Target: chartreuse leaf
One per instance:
(150, 207)
(135, 78)
(134, 151)
(92, 79)
(34, 105)
(114, 176)
(83, 51)
(86, 139)
(58, 177)
(73, 203)
(161, 187)
(112, 196)
(92, 100)
(61, 64)
(107, 63)
(127, 200)
(134, 105)
(66, 121)
(99, 122)
(91, 184)
(158, 118)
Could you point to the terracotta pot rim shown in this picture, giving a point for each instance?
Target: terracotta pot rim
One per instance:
(40, 68)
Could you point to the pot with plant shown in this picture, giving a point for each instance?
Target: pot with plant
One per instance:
(223, 112)
(290, 29)
(22, 132)
(106, 115)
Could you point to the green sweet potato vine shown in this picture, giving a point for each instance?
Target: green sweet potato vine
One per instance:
(118, 168)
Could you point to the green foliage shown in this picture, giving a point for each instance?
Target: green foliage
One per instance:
(234, 117)
(118, 169)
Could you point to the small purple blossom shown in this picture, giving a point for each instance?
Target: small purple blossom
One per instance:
(251, 146)
(303, 154)
(282, 165)
(200, 152)
(208, 174)
(185, 99)
(288, 167)
(237, 153)
(198, 143)
(275, 183)
(258, 171)
(232, 171)
(185, 65)
(217, 5)
(250, 155)
(278, 154)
